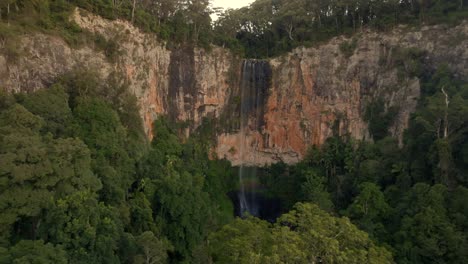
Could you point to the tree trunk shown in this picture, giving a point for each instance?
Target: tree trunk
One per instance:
(361, 21)
(447, 102)
(439, 123)
(336, 23)
(133, 10)
(8, 14)
(354, 22)
(197, 33)
(396, 16)
(290, 29)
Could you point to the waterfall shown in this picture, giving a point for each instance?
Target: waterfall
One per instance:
(256, 76)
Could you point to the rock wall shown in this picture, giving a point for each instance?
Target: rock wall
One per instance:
(318, 92)
(312, 94)
(184, 83)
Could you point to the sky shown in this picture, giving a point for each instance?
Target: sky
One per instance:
(229, 4)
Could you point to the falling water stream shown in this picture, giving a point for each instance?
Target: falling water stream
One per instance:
(256, 75)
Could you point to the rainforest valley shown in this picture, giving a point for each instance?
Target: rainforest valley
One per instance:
(100, 170)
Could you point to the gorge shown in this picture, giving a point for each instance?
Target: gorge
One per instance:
(314, 92)
(287, 131)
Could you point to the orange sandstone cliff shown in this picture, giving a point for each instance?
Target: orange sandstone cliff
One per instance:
(309, 94)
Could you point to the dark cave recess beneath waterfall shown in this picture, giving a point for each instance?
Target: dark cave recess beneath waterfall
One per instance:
(267, 207)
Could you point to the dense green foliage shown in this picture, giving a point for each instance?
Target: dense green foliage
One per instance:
(379, 119)
(270, 27)
(179, 21)
(266, 28)
(412, 199)
(304, 235)
(80, 184)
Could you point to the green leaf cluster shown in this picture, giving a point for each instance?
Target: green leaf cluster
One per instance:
(306, 234)
(79, 182)
(410, 197)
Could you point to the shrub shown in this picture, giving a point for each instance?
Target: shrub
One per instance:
(348, 47)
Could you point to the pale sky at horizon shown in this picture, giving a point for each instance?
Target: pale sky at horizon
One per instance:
(229, 4)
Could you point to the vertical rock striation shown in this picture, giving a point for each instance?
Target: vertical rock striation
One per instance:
(304, 97)
(322, 91)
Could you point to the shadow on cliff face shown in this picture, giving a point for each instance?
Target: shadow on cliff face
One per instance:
(256, 80)
(182, 83)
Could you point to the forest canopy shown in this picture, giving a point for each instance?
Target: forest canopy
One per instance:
(263, 29)
(81, 183)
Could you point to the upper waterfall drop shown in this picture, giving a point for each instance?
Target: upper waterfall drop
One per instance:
(256, 79)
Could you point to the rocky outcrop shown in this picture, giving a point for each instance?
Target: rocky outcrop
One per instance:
(185, 83)
(321, 91)
(311, 94)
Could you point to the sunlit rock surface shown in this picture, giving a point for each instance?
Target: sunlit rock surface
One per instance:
(311, 94)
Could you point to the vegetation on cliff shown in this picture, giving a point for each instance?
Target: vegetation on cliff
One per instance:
(411, 198)
(79, 183)
(270, 27)
(266, 28)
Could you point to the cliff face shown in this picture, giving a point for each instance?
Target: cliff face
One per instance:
(184, 83)
(306, 95)
(322, 91)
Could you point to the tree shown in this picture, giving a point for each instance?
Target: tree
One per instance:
(438, 129)
(291, 15)
(458, 207)
(162, 9)
(442, 157)
(134, 6)
(369, 209)
(426, 234)
(306, 234)
(229, 23)
(88, 230)
(141, 214)
(314, 190)
(35, 252)
(259, 17)
(52, 105)
(379, 118)
(101, 129)
(7, 5)
(331, 239)
(35, 170)
(242, 241)
(370, 203)
(154, 250)
(199, 16)
(182, 221)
